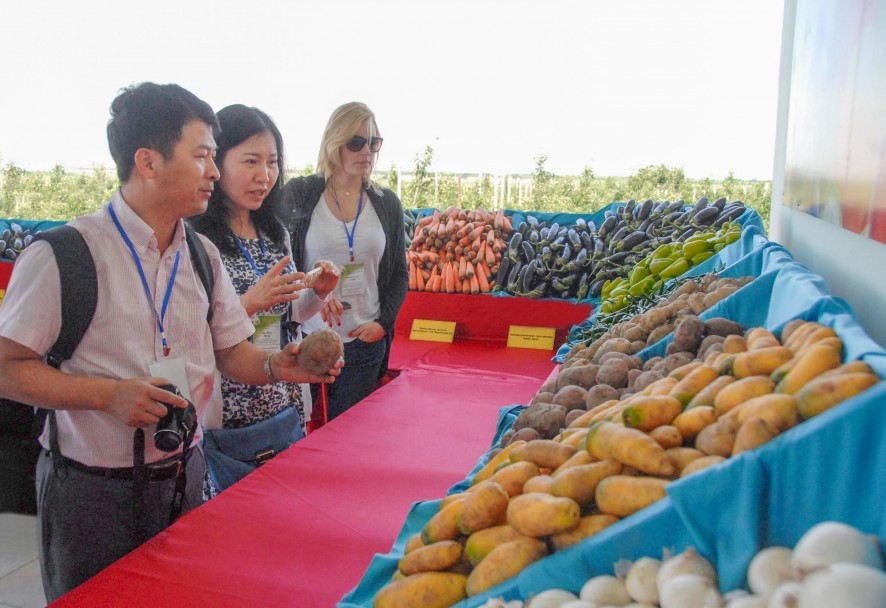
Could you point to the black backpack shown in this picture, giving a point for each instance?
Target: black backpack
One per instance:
(21, 424)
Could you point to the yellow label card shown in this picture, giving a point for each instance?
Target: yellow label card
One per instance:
(2, 293)
(432, 331)
(521, 336)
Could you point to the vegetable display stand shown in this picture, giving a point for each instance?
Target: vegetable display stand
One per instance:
(489, 318)
(5, 273)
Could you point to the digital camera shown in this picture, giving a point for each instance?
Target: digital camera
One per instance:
(174, 427)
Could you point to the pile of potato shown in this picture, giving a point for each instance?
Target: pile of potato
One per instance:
(606, 369)
(693, 409)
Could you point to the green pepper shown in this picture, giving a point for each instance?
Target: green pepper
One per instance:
(642, 287)
(675, 269)
(662, 251)
(701, 257)
(692, 249)
(718, 247)
(638, 274)
(656, 266)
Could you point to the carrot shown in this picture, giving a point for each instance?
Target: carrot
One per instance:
(481, 281)
(476, 233)
(498, 245)
(475, 284)
(413, 281)
(425, 221)
(469, 269)
(499, 220)
(464, 230)
(462, 267)
(490, 256)
(485, 270)
(438, 284)
(466, 286)
(458, 283)
(450, 225)
(429, 285)
(506, 226)
(450, 277)
(419, 280)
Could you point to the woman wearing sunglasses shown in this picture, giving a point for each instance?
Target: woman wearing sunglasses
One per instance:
(340, 214)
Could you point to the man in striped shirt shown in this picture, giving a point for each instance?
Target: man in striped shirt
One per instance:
(150, 329)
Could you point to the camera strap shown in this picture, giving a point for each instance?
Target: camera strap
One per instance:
(141, 479)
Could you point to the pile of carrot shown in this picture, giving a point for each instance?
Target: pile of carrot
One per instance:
(457, 251)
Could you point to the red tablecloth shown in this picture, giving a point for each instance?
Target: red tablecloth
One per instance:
(301, 531)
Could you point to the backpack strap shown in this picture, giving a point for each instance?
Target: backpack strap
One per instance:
(79, 295)
(203, 267)
(79, 288)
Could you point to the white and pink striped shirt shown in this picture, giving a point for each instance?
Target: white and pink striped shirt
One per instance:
(124, 339)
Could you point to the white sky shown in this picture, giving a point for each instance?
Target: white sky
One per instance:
(490, 84)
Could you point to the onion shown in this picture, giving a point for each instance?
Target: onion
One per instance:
(605, 590)
(770, 568)
(846, 584)
(786, 595)
(832, 542)
(641, 580)
(551, 598)
(688, 562)
(579, 604)
(689, 591)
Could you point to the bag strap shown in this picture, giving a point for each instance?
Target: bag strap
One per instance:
(79, 295)
(79, 288)
(202, 266)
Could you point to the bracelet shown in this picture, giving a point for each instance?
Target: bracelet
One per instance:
(269, 373)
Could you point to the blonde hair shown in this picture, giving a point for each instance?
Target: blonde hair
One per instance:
(344, 123)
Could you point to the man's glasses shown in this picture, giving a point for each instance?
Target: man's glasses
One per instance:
(356, 143)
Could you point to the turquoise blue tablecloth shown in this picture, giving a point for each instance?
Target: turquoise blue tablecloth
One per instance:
(830, 467)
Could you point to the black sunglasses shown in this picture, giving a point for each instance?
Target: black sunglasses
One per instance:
(356, 143)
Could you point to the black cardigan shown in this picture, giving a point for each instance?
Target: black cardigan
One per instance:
(300, 197)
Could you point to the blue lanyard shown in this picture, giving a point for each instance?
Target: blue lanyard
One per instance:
(261, 244)
(141, 272)
(350, 234)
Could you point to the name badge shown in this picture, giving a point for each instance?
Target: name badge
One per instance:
(267, 332)
(173, 368)
(353, 280)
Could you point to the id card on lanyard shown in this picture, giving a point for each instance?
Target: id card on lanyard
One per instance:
(268, 327)
(171, 368)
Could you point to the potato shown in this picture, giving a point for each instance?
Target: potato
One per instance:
(483, 507)
(539, 514)
(688, 334)
(320, 351)
(584, 376)
(696, 303)
(524, 434)
(503, 562)
(633, 374)
(653, 318)
(634, 332)
(430, 558)
(658, 333)
(572, 415)
(631, 361)
(646, 378)
(546, 418)
(422, 590)
(571, 397)
(613, 344)
(708, 343)
(613, 372)
(719, 326)
(650, 363)
(719, 294)
(675, 360)
(543, 397)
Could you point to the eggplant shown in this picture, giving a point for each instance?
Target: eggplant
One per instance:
(573, 237)
(720, 203)
(706, 216)
(532, 221)
(514, 245)
(643, 210)
(729, 214)
(513, 274)
(580, 224)
(587, 241)
(528, 251)
(633, 239)
(528, 273)
(619, 234)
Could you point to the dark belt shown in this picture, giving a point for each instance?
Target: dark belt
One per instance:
(158, 471)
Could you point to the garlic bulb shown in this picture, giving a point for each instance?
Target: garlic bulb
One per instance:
(641, 580)
(832, 542)
(770, 568)
(551, 598)
(786, 595)
(688, 562)
(689, 591)
(605, 590)
(844, 584)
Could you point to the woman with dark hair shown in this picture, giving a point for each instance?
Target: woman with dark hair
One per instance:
(256, 422)
(341, 214)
